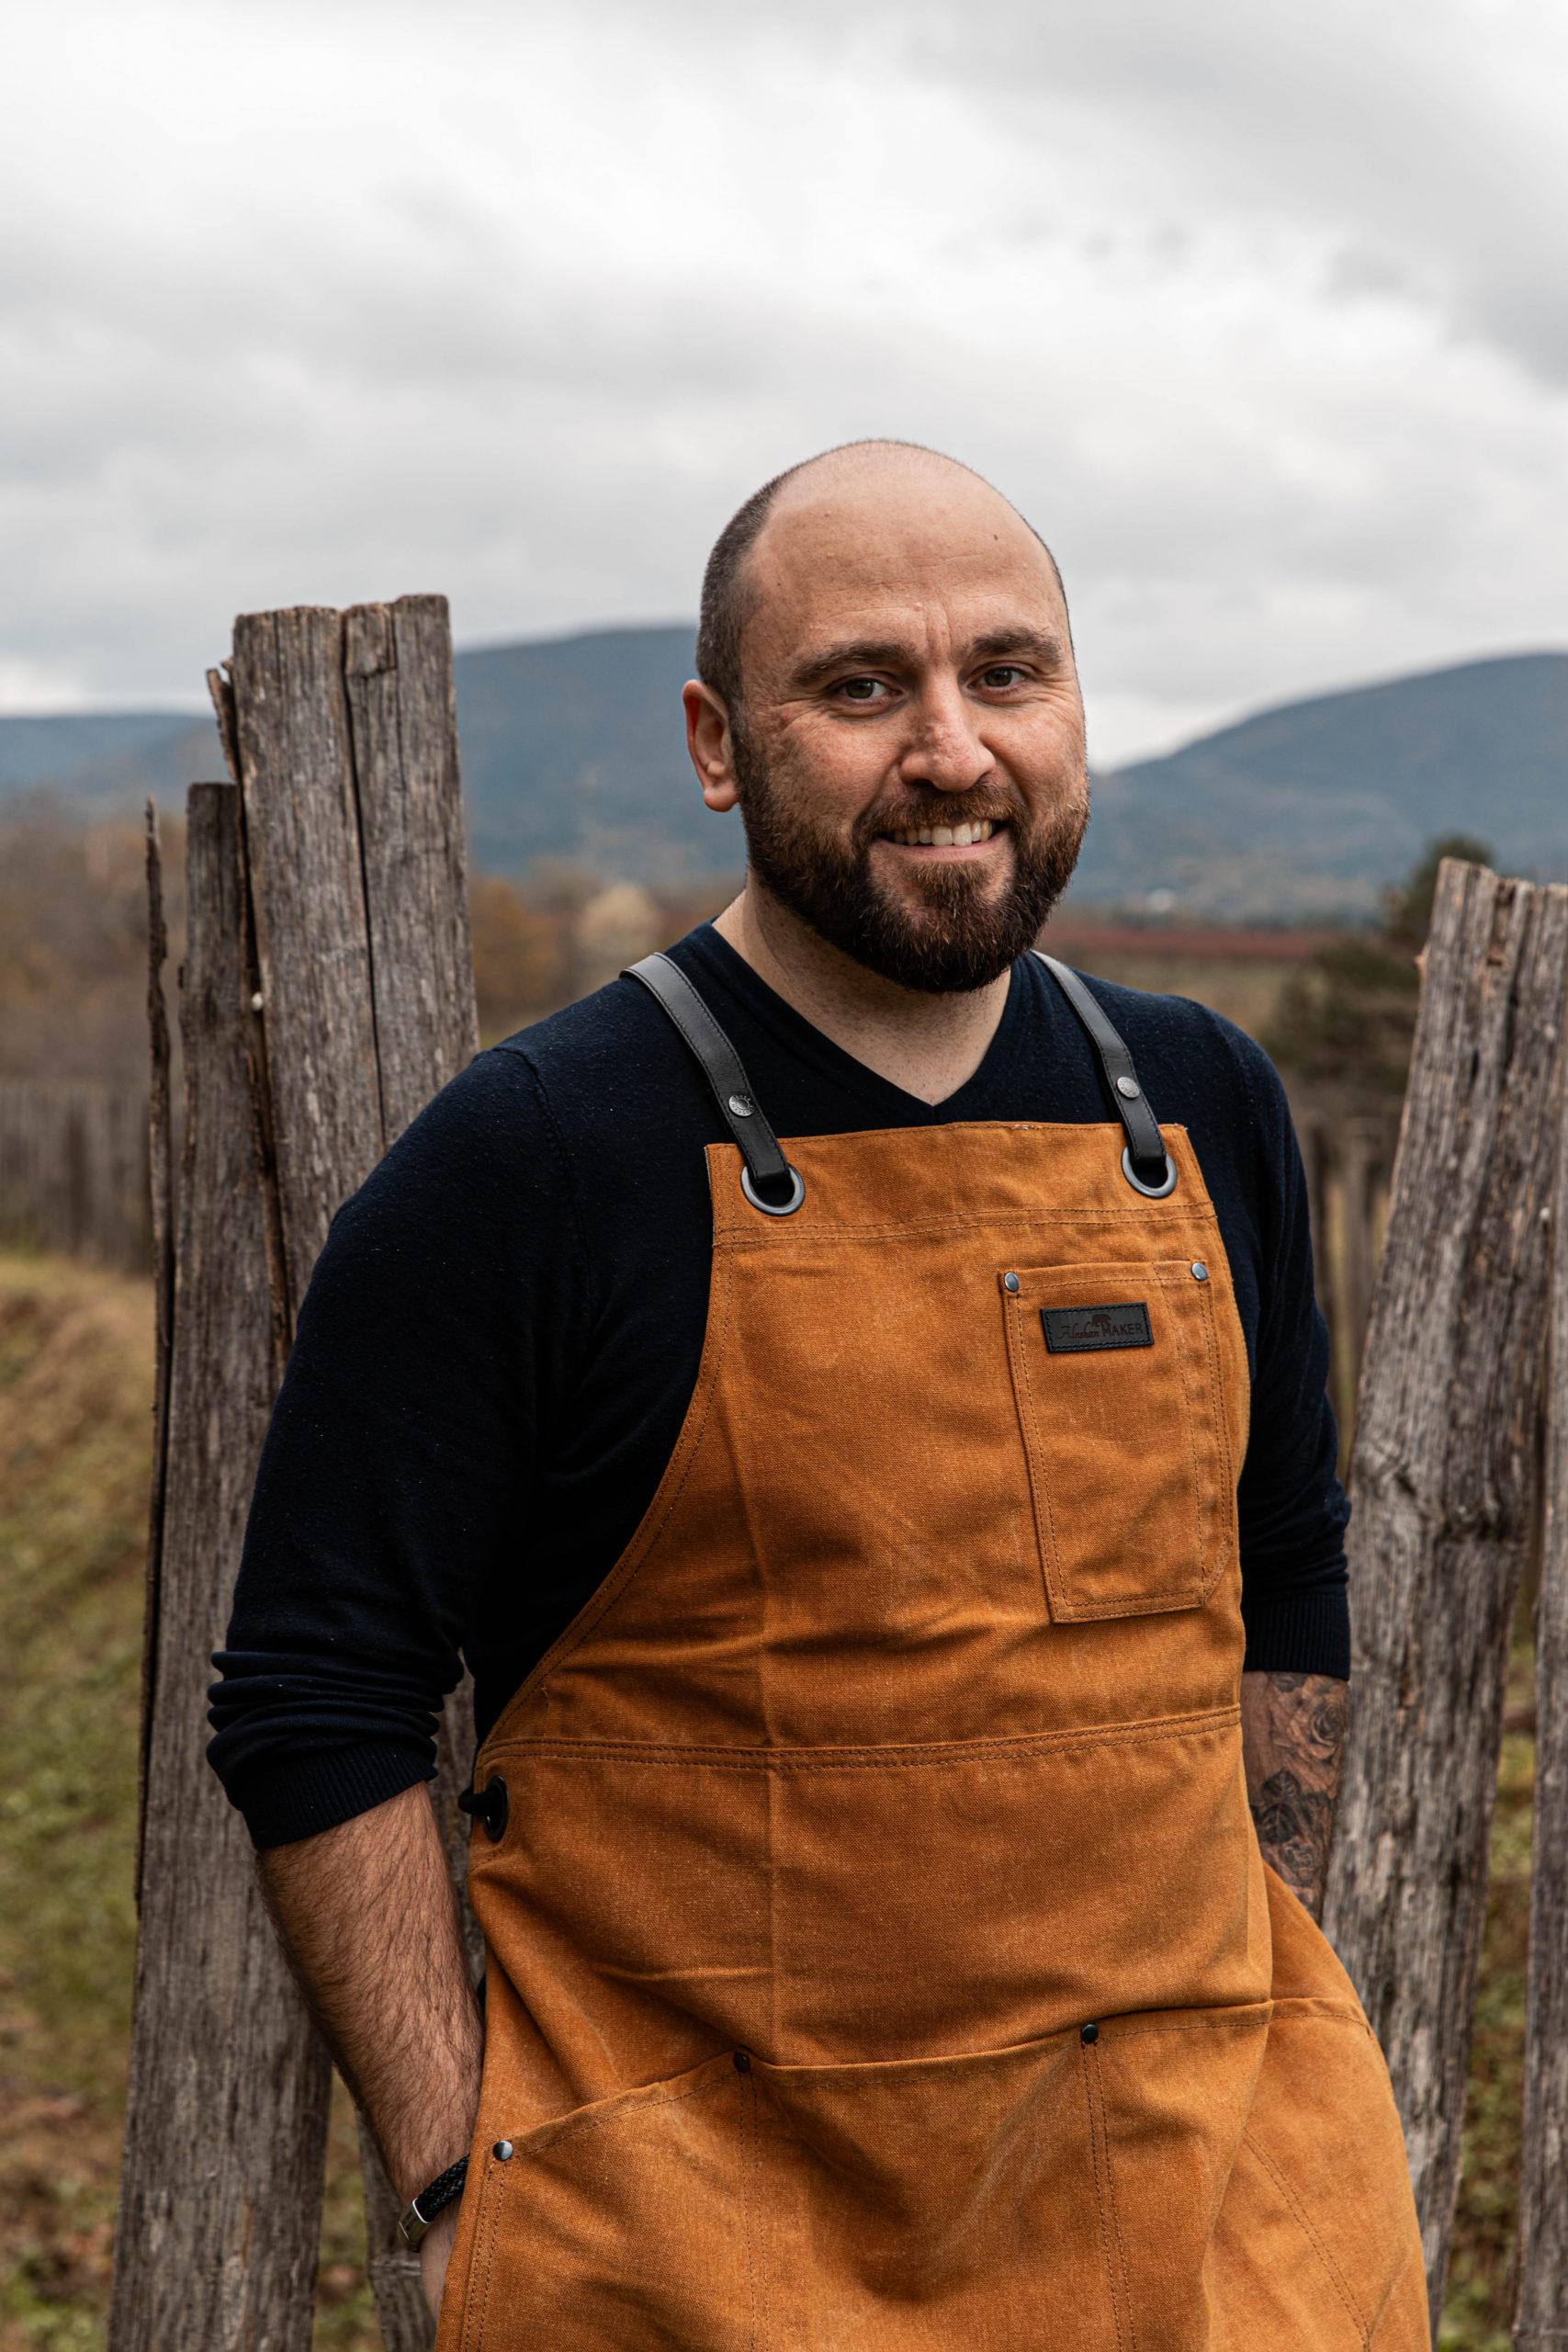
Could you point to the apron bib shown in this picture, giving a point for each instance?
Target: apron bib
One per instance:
(880, 1958)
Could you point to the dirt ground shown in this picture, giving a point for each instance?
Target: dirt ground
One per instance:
(76, 1363)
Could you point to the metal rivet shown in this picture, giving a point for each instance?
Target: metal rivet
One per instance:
(1200, 1270)
(1089, 2033)
(742, 1105)
(1010, 1282)
(1129, 1088)
(743, 2062)
(502, 2151)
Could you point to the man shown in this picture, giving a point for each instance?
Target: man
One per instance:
(858, 1542)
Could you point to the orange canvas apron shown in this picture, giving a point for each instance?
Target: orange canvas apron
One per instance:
(880, 1954)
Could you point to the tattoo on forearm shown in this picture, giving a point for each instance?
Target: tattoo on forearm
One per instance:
(1293, 1738)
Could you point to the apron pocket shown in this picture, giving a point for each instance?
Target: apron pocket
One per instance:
(1116, 1375)
(921, 2205)
(630, 2222)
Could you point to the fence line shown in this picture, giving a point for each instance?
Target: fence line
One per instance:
(74, 1169)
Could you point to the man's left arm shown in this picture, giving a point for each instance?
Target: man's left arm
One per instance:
(1293, 1737)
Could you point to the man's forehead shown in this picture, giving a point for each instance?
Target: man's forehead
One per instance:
(843, 541)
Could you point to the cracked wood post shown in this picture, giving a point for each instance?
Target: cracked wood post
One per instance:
(1443, 1477)
(343, 730)
(1540, 2315)
(227, 2104)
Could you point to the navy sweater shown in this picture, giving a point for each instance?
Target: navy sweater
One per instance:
(501, 1336)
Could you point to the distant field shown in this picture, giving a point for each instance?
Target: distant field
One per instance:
(75, 1378)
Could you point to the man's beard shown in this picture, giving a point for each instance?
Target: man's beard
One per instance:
(961, 932)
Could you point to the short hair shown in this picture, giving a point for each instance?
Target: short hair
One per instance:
(725, 604)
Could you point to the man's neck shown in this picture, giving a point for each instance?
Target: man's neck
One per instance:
(928, 1044)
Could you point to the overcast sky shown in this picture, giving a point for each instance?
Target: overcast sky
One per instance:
(1256, 311)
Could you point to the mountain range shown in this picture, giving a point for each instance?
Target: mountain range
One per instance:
(572, 750)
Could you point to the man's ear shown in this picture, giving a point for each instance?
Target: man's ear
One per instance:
(708, 741)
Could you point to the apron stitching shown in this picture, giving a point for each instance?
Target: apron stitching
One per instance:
(569, 2129)
(1039, 1484)
(1205, 1580)
(1099, 2156)
(1216, 1404)
(892, 1758)
(748, 2179)
(493, 2230)
(1336, 2275)
(1002, 1220)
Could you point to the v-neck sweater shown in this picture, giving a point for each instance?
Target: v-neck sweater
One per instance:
(501, 1338)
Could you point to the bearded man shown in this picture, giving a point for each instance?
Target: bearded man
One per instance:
(889, 1559)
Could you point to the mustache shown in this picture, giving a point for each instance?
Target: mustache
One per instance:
(939, 808)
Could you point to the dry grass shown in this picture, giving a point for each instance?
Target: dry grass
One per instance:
(74, 1384)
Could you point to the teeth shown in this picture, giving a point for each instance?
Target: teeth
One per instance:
(943, 836)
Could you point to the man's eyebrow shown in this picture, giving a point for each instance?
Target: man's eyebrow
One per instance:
(852, 653)
(997, 642)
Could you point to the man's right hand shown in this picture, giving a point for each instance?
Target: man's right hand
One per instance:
(434, 2253)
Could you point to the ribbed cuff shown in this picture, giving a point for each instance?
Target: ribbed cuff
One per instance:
(1299, 1633)
(301, 1796)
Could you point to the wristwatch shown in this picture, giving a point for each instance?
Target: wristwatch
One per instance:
(414, 2221)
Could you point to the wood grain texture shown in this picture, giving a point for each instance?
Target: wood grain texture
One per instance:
(403, 717)
(1541, 2318)
(161, 1198)
(226, 2125)
(345, 734)
(1443, 1482)
(301, 830)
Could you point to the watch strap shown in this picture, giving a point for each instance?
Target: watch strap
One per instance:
(433, 2199)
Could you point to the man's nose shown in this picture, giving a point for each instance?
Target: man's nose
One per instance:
(945, 750)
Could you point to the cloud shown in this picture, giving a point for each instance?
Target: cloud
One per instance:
(1248, 310)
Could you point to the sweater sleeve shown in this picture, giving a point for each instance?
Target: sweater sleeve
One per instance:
(401, 1442)
(1292, 1510)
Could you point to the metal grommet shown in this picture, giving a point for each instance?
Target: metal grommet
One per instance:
(494, 1807)
(1010, 1282)
(502, 2151)
(781, 1208)
(1129, 1089)
(1200, 1270)
(1089, 2033)
(1149, 1192)
(742, 2062)
(742, 1105)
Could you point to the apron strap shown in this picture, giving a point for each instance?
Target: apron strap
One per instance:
(764, 1162)
(1145, 1163)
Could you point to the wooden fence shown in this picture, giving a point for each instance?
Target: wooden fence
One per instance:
(326, 994)
(74, 1169)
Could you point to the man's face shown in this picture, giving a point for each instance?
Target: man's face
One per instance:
(909, 753)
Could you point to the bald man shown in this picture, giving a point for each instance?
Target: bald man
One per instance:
(851, 1390)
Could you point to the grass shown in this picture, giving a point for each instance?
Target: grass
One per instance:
(75, 1375)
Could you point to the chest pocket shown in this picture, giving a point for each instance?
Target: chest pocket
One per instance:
(1116, 1374)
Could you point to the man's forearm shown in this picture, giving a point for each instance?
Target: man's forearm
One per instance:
(369, 1921)
(1292, 1733)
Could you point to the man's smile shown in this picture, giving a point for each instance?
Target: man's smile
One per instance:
(969, 843)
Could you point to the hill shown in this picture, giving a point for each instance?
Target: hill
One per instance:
(1307, 807)
(572, 749)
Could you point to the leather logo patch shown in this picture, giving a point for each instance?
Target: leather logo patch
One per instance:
(1079, 1330)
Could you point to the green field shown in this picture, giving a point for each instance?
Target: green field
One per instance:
(75, 1379)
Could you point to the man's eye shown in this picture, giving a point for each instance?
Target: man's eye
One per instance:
(1001, 675)
(861, 690)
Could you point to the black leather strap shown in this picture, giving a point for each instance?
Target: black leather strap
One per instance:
(1146, 1148)
(433, 2199)
(773, 1181)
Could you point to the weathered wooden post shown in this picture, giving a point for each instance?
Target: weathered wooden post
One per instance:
(342, 732)
(1540, 2315)
(329, 992)
(226, 2123)
(1442, 1477)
